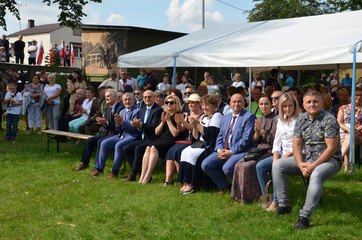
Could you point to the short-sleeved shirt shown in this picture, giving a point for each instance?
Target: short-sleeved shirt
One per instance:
(51, 91)
(14, 109)
(315, 132)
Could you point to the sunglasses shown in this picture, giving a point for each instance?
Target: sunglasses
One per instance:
(274, 98)
(170, 102)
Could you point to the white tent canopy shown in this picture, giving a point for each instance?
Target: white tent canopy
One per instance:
(320, 41)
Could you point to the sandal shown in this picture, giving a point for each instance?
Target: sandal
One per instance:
(165, 183)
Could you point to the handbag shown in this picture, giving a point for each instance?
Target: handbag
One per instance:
(198, 144)
(266, 198)
(255, 153)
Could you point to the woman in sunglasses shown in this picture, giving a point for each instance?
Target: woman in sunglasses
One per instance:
(169, 129)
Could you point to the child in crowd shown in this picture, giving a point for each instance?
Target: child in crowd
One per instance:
(13, 101)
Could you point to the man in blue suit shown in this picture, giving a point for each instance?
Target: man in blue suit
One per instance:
(108, 127)
(233, 141)
(127, 134)
(149, 118)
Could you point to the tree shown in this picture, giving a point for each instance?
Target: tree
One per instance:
(343, 5)
(270, 9)
(71, 11)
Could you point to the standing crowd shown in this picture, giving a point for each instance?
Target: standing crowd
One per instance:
(207, 139)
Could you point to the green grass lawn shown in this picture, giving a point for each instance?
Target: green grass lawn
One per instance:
(42, 198)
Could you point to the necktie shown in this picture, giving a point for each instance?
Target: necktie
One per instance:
(110, 113)
(230, 130)
(125, 119)
(146, 114)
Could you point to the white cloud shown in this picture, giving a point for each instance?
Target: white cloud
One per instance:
(93, 18)
(186, 15)
(115, 19)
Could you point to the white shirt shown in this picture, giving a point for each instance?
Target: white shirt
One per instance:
(163, 87)
(32, 51)
(112, 83)
(87, 106)
(51, 91)
(212, 89)
(238, 84)
(283, 141)
(14, 109)
(182, 88)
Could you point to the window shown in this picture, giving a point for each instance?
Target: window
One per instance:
(77, 49)
(77, 32)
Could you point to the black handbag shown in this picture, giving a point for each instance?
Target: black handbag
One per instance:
(198, 144)
(255, 153)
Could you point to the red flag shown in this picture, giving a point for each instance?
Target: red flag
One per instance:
(62, 49)
(39, 59)
(71, 55)
(51, 56)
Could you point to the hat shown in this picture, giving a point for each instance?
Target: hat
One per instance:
(193, 98)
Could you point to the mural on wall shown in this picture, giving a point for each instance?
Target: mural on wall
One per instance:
(101, 50)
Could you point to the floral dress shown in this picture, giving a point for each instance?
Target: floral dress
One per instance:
(346, 109)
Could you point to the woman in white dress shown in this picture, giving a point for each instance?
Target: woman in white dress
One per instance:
(206, 130)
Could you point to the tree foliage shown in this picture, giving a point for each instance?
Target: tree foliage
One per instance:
(271, 9)
(71, 11)
(343, 5)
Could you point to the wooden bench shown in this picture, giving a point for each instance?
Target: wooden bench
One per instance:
(55, 135)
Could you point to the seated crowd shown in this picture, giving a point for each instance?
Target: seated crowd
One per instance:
(205, 140)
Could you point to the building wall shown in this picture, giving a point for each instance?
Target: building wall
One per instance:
(100, 49)
(48, 39)
(102, 45)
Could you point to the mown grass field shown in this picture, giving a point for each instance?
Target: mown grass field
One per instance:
(42, 198)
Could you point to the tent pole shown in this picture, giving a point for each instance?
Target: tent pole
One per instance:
(338, 73)
(195, 77)
(351, 160)
(174, 72)
(117, 78)
(249, 97)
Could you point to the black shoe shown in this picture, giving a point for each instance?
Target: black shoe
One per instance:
(283, 210)
(302, 223)
(81, 167)
(165, 184)
(131, 177)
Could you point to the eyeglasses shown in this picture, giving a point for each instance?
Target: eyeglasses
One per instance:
(170, 102)
(274, 98)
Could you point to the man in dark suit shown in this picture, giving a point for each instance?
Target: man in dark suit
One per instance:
(116, 143)
(108, 127)
(149, 118)
(233, 141)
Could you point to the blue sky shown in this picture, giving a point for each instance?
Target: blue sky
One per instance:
(174, 15)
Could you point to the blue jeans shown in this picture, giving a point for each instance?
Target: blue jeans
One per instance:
(263, 171)
(12, 121)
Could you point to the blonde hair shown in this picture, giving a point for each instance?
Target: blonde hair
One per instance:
(177, 100)
(283, 98)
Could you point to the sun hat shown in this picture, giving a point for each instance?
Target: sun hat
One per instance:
(193, 98)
